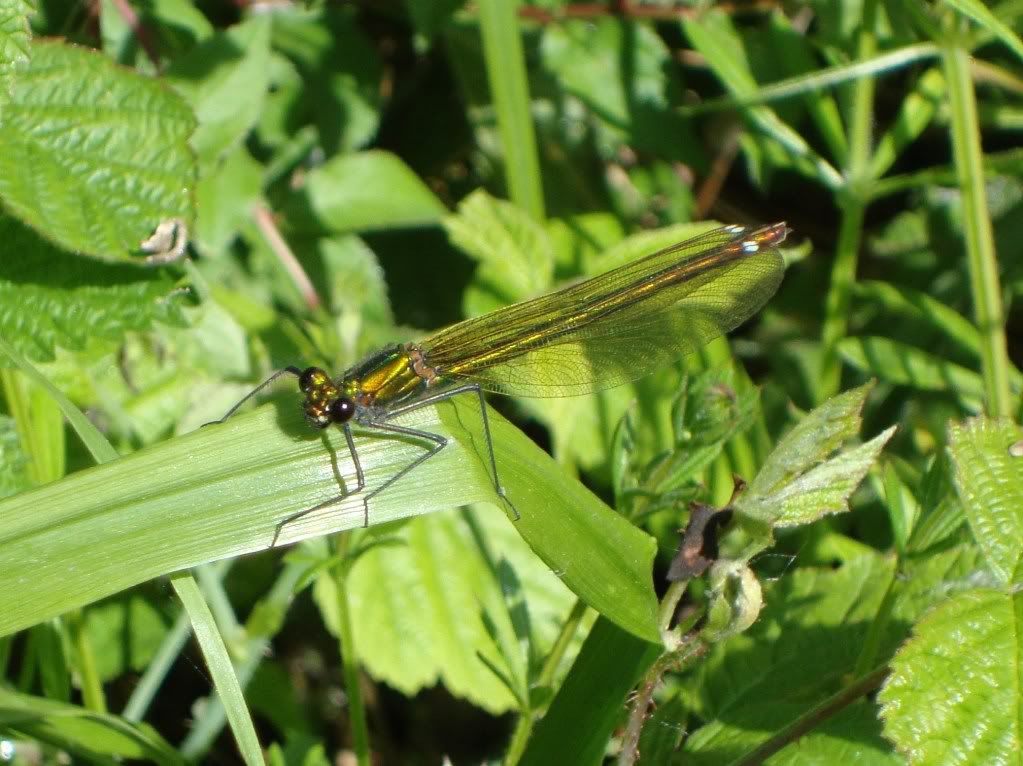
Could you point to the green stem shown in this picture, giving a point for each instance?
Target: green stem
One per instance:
(509, 88)
(85, 663)
(349, 657)
(673, 660)
(524, 726)
(145, 690)
(170, 648)
(561, 644)
(813, 718)
(980, 246)
(667, 610)
(854, 198)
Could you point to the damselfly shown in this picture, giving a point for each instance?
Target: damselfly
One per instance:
(608, 330)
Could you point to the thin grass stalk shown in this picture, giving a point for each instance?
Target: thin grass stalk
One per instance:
(349, 657)
(980, 246)
(853, 200)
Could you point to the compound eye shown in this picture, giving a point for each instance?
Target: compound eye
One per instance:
(342, 409)
(312, 378)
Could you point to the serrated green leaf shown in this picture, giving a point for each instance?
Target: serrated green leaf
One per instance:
(15, 36)
(953, 693)
(826, 488)
(13, 461)
(225, 79)
(92, 735)
(92, 155)
(989, 481)
(905, 365)
(928, 580)
(515, 256)
(49, 298)
(368, 191)
(799, 483)
(445, 580)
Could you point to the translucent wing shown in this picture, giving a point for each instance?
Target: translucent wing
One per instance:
(618, 326)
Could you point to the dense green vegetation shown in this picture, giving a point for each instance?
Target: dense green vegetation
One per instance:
(800, 544)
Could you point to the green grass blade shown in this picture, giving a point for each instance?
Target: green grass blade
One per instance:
(981, 14)
(222, 490)
(506, 72)
(91, 437)
(813, 83)
(980, 244)
(221, 667)
(95, 736)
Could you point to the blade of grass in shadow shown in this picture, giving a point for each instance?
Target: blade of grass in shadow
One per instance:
(506, 73)
(222, 490)
(591, 701)
(813, 82)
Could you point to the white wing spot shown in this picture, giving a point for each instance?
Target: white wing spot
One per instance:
(750, 246)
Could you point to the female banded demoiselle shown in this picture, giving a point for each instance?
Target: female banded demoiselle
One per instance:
(605, 331)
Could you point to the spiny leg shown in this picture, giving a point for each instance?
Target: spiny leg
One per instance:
(439, 442)
(289, 370)
(360, 484)
(448, 394)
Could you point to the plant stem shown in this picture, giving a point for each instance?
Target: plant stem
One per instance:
(980, 246)
(509, 89)
(349, 657)
(524, 726)
(85, 663)
(668, 606)
(853, 200)
(645, 692)
(813, 718)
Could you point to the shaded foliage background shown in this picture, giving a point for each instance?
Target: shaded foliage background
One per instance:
(353, 174)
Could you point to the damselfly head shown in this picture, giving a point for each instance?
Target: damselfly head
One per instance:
(324, 402)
